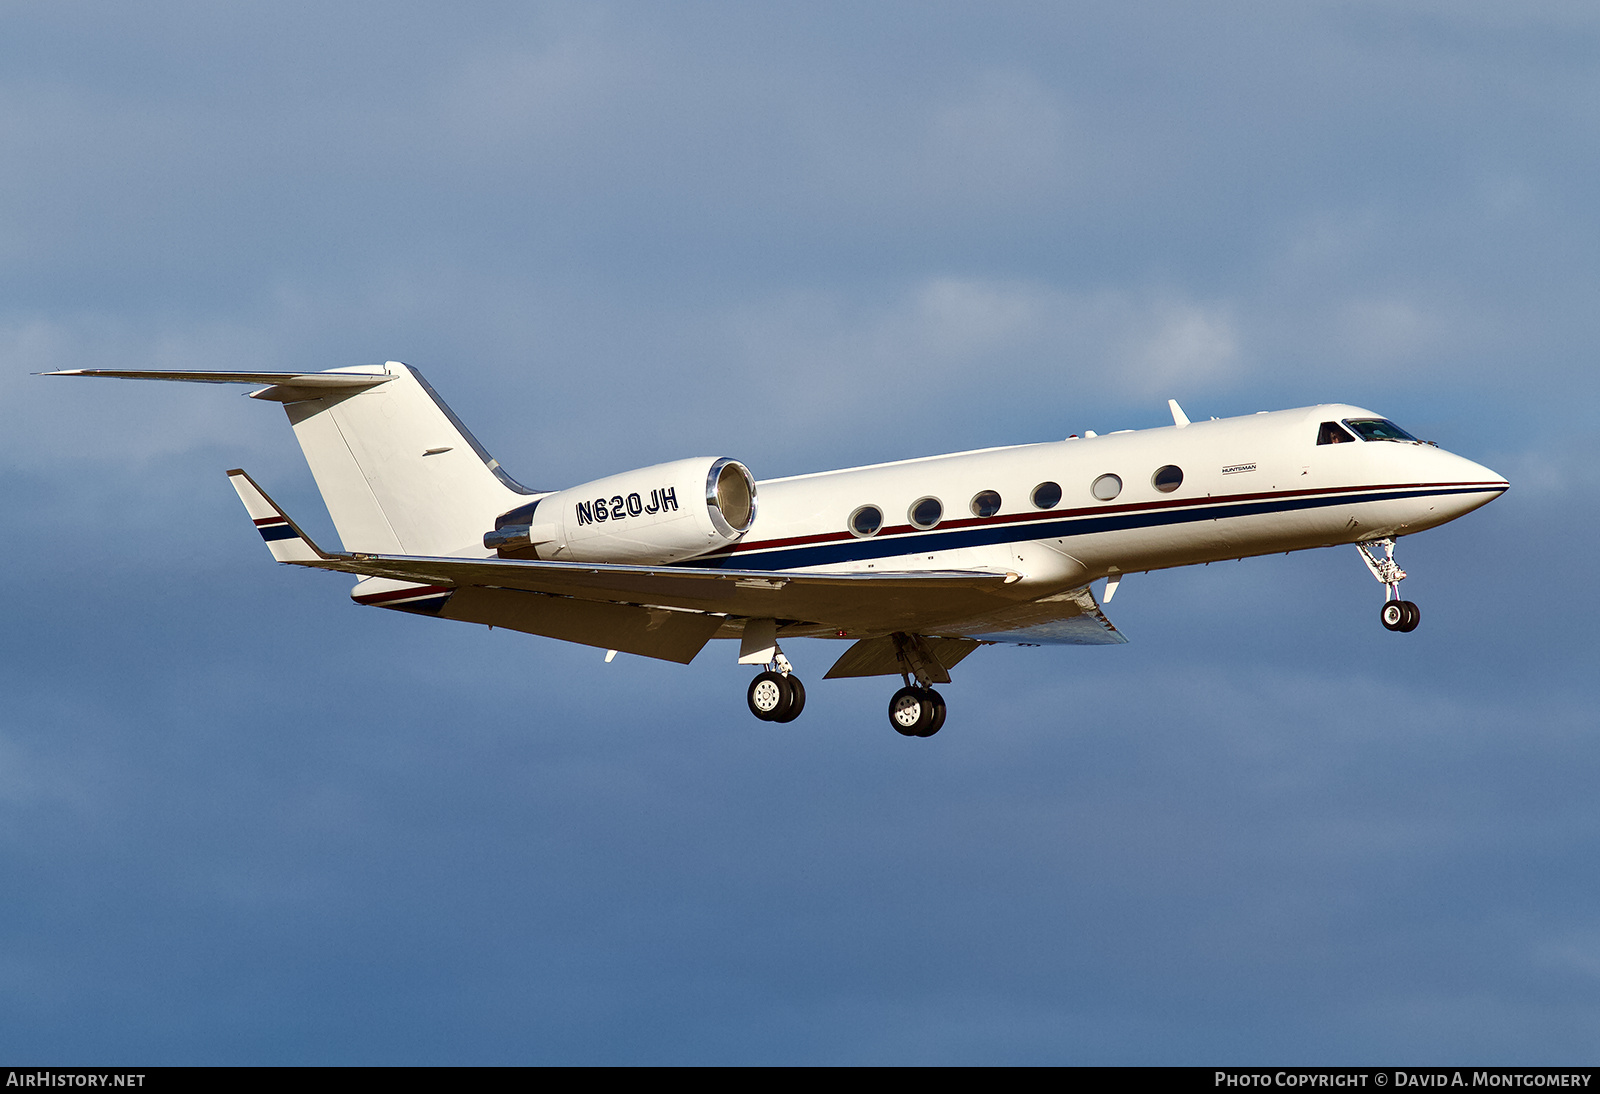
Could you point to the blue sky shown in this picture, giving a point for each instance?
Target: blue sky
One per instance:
(244, 821)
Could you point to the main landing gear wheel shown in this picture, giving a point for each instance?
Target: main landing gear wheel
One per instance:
(916, 712)
(797, 699)
(774, 697)
(1401, 615)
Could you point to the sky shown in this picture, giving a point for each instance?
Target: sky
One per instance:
(244, 821)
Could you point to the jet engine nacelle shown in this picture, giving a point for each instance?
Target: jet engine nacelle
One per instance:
(654, 515)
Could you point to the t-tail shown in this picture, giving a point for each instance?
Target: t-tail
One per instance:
(398, 471)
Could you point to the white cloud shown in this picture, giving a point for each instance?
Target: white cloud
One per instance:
(1175, 342)
(967, 332)
(1392, 330)
(1575, 953)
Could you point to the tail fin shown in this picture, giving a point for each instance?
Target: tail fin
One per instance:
(399, 472)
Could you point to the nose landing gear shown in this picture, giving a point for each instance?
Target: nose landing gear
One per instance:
(1397, 614)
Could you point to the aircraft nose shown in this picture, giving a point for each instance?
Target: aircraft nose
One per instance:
(1468, 484)
(1477, 474)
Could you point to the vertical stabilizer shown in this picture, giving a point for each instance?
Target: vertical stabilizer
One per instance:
(399, 473)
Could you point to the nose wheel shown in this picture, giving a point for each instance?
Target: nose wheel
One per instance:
(1397, 614)
(1401, 615)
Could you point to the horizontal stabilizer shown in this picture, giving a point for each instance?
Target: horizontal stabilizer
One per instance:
(284, 538)
(282, 387)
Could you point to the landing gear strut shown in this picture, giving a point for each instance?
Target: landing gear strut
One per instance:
(1397, 615)
(776, 694)
(916, 710)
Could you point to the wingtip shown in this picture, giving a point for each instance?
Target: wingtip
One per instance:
(283, 537)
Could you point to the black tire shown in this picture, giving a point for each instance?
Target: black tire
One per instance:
(939, 710)
(1413, 616)
(797, 699)
(910, 712)
(769, 696)
(1394, 615)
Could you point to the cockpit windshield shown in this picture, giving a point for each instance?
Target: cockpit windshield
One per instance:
(1379, 429)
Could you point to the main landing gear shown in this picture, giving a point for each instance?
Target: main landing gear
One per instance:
(776, 694)
(917, 710)
(1397, 615)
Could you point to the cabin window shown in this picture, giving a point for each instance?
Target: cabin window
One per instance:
(925, 512)
(1047, 495)
(1332, 433)
(985, 503)
(1106, 487)
(1379, 429)
(1167, 479)
(866, 521)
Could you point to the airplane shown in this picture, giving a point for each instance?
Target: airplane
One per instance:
(916, 563)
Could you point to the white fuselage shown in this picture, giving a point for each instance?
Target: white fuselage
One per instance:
(1249, 486)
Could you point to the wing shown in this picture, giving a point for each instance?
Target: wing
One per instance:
(874, 601)
(672, 611)
(1070, 618)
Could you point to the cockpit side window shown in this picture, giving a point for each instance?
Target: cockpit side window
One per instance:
(1379, 429)
(1330, 433)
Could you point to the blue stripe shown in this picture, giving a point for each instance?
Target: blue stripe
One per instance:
(271, 532)
(857, 550)
(432, 605)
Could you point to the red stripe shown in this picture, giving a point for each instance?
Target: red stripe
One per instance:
(1059, 514)
(403, 594)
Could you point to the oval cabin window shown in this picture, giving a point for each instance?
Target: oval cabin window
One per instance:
(866, 521)
(985, 504)
(1167, 479)
(1047, 495)
(1106, 487)
(925, 512)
